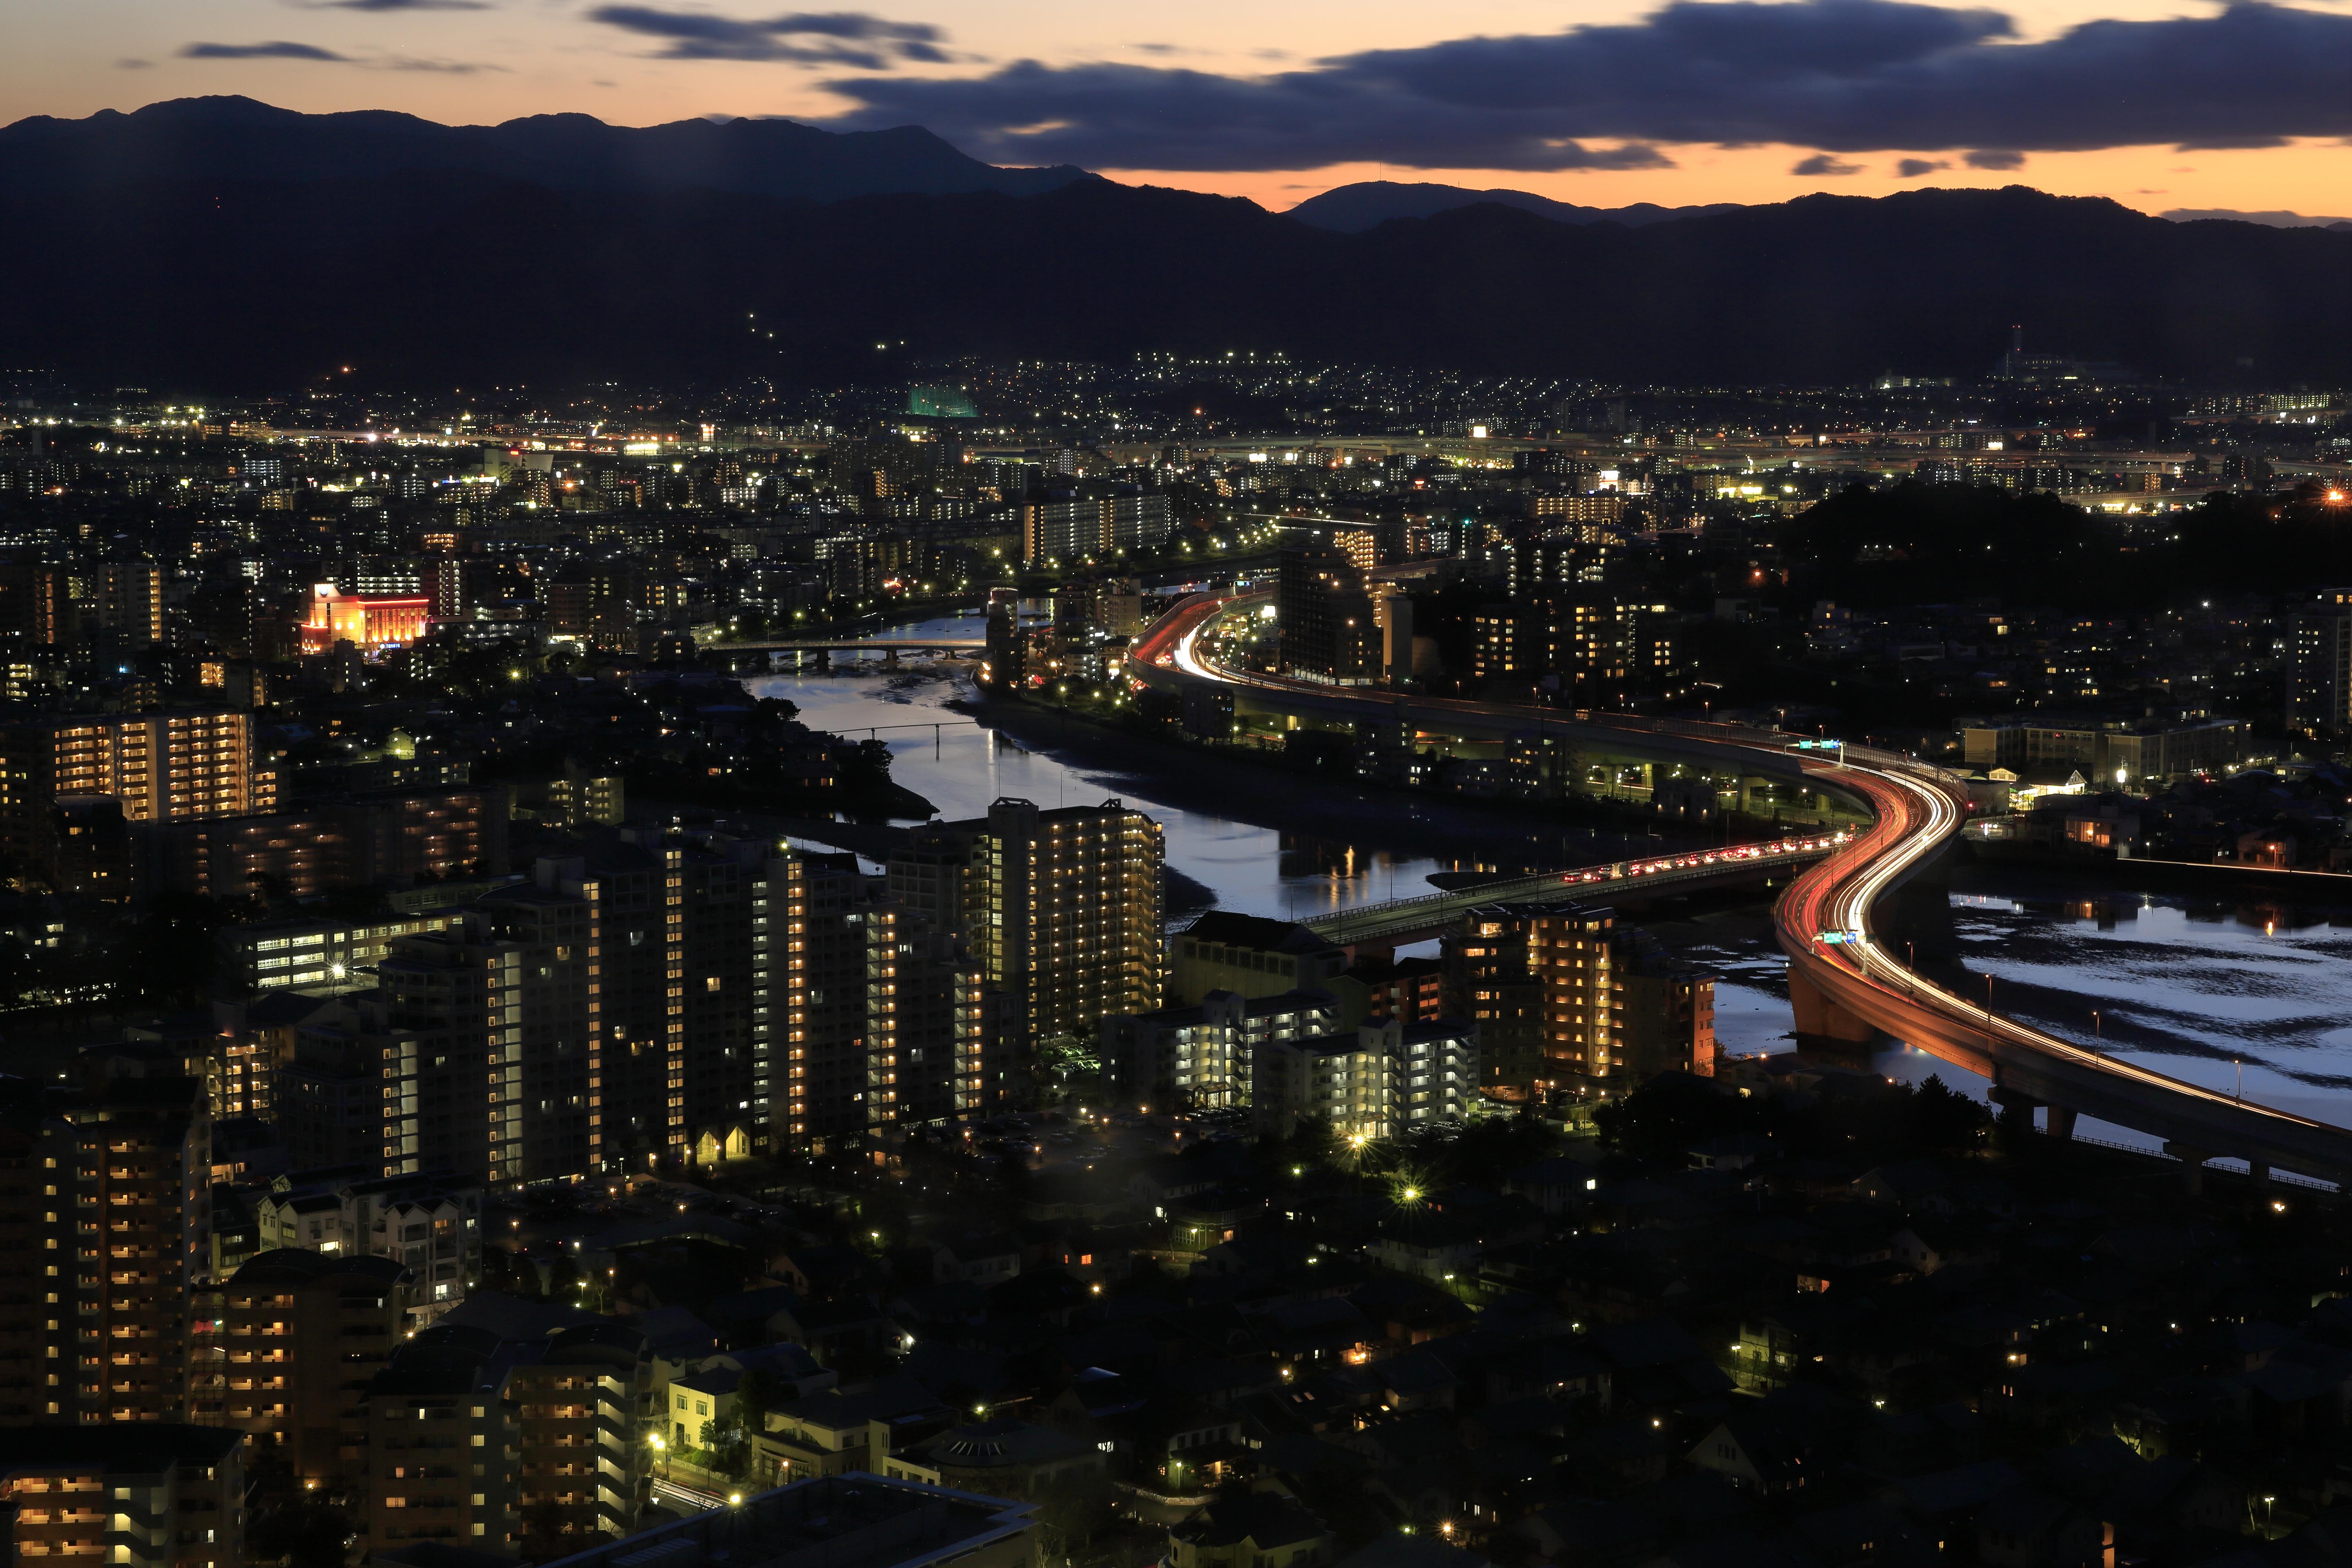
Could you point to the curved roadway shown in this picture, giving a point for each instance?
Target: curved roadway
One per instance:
(1823, 924)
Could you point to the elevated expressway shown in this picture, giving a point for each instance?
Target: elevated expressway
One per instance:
(1384, 925)
(1845, 985)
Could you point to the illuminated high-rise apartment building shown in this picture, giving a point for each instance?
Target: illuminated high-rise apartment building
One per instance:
(105, 1206)
(66, 779)
(1059, 909)
(655, 1002)
(1576, 1002)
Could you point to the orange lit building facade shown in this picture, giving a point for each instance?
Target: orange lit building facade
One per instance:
(369, 622)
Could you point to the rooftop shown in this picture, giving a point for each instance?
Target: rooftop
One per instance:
(127, 1449)
(855, 1520)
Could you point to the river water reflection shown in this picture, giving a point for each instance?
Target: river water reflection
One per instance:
(961, 766)
(2213, 991)
(2249, 995)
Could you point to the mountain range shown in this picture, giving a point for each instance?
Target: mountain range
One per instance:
(239, 138)
(236, 258)
(1368, 204)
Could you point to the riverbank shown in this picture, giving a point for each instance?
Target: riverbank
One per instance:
(1497, 835)
(1258, 789)
(2193, 877)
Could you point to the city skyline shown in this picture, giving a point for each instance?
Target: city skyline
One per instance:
(1598, 104)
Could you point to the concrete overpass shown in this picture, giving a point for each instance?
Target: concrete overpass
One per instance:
(1167, 657)
(1844, 985)
(1847, 986)
(1384, 925)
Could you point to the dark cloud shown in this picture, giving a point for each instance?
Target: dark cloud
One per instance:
(278, 51)
(853, 25)
(1838, 76)
(1823, 163)
(282, 50)
(400, 5)
(850, 39)
(408, 63)
(1993, 158)
(1912, 168)
(135, 65)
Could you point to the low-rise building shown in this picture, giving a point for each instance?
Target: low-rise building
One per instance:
(842, 1430)
(844, 1521)
(1257, 1530)
(2110, 751)
(430, 1223)
(1250, 955)
(1003, 1457)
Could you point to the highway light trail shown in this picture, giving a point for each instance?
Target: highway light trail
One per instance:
(1914, 819)
(1824, 920)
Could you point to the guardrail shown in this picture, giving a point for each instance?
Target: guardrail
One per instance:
(693, 1497)
(1917, 805)
(2290, 1178)
(1561, 886)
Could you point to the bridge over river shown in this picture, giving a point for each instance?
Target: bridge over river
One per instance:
(1417, 918)
(1847, 986)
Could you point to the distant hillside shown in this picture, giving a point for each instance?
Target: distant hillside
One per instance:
(237, 139)
(231, 281)
(1368, 204)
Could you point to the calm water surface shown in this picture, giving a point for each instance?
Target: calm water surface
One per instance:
(2229, 994)
(960, 767)
(2239, 995)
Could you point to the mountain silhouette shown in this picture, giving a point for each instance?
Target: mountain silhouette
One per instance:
(239, 138)
(1366, 203)
(228, 262)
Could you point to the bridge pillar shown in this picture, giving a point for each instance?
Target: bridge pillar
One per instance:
(890, 658)
(2259, 1173)
(2016, 1103)
(2193, 1165)
(2061, 1123)
(1821, 1021)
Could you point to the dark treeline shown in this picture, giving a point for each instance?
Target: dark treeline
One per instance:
(1946, 544)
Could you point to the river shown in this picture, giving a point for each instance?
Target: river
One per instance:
(2243, 996)
(1280, 855)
